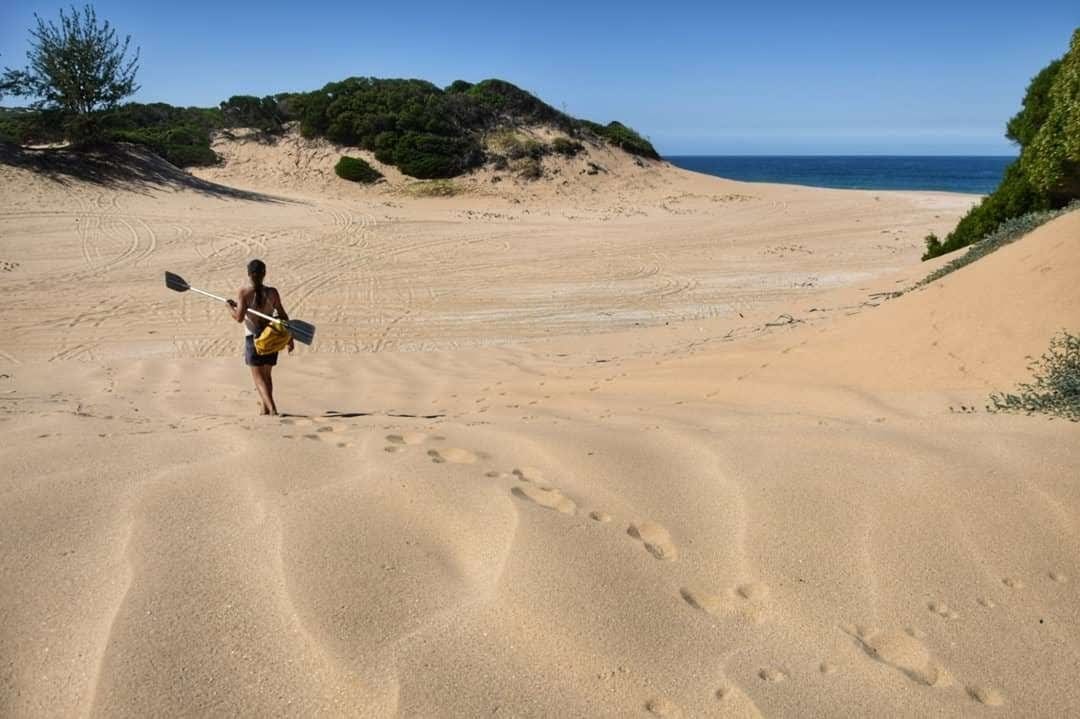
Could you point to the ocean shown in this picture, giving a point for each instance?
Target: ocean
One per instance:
(977, 175)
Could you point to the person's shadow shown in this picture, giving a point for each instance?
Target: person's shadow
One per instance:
(335, 414)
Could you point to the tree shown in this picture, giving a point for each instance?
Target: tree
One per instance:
(78, 67)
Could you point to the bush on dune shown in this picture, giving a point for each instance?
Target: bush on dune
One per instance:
(428, 132)
(566, 147)
(626, 139)
(179, 135)
(1056, 386)
(265, 114)
(356, 169)
(1047, 173)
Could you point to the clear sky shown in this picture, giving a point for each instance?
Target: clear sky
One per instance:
(749, 77)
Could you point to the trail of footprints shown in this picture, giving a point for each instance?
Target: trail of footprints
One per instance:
(750, 602)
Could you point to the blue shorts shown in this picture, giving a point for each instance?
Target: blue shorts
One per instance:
(253, 358)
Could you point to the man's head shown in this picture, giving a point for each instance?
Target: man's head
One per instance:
(256, 269)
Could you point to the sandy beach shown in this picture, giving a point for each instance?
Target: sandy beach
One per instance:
(637, 442)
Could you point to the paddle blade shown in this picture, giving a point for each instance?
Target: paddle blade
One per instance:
(176, 282)
(302, 331)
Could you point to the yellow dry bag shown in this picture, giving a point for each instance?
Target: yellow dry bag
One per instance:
(274, 338)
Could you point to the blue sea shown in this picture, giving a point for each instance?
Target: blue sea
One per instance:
(978, 175)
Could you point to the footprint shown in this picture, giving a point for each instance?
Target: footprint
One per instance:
(656, 539)
(1059, 577)
(600, 516)
(942, 610)
(663, 707)
(737, 703)
(987, 602)
(828, 668)
(406, 438)
(453, 455)
(987, 695)
(754, 591)
(902, 652)
(773, 675)
(1013, 582)
(550, 498)
(528, 474)
(747, 601)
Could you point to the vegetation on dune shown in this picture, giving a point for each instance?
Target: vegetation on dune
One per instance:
(265, 114)
(623, 137)
(428, 132)
(356, 169)
(1047, 173)
(566, 147)
(80, 71)
(77, 68)
(1007, 232)
(1056, 386)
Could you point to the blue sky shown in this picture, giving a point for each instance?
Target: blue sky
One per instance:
(777, 77)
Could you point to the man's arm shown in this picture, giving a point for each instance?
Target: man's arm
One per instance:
(238, 310)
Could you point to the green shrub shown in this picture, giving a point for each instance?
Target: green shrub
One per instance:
(528, 168)
(356, 169)
(27, 127)
(623, 137)
(1052, 157)
(431, 133)
(1047, 173)
(1056, 386)
(933, 245)
(427, 156)
(566, 147)
(265, 114)
(1014, 197)
(183, 147)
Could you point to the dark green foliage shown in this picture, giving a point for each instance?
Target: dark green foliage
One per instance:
(933, 245)
(77, 66)
(356, 169)
(428, 132)
(1014, 197)
(265, 114)
(458, 86)
(1047, 173)
(622, 136)
(180, 135)
(1036, 106)
(566, 147)
(1056, 386)
(25, 127)
(182, 147)
(428, 156)
(501, 101)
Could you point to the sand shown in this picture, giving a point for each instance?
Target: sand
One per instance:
(646, 443)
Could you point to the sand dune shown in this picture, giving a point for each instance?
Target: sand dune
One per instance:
(659, 464)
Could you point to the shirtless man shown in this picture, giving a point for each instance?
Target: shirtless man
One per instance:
(266, 300)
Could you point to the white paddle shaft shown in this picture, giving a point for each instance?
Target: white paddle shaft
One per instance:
(222, 299)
